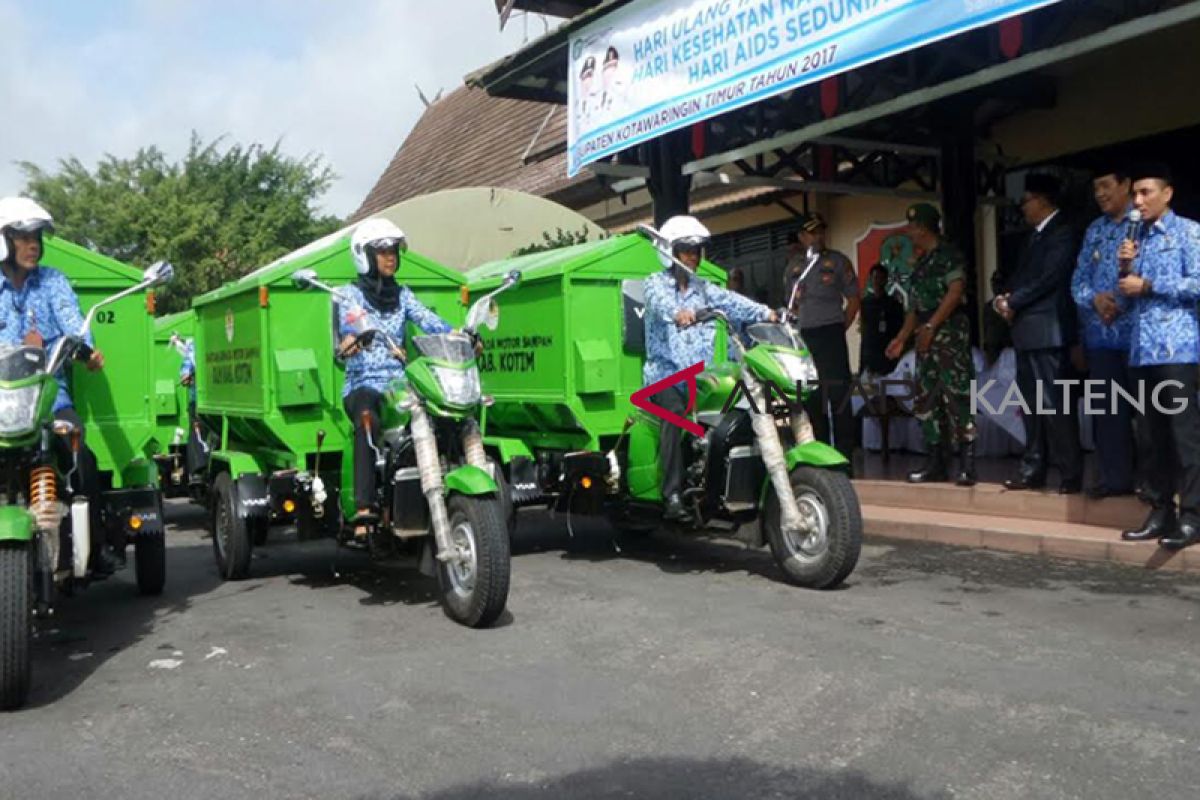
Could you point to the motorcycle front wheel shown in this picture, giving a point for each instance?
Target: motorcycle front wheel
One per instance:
(16, 623)
(474, 587)
(823, 556)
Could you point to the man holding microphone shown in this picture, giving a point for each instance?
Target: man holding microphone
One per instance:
(1161, 278)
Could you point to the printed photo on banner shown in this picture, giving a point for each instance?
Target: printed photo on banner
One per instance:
(654, 66)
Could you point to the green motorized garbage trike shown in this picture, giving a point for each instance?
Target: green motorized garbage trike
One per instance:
(45, 529)
(577, 444)
(432, 474)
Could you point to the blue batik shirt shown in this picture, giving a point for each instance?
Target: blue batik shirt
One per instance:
(375, 367)
(188, 367)
(670, 348)
(1165, 328)
(45, 303)
(1096, 272)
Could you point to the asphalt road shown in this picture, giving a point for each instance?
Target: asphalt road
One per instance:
(674, 668)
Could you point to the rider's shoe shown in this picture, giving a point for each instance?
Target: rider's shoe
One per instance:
(363, 521)
(674, 510)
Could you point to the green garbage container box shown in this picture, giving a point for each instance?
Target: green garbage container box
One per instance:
(567, 354)
(269, 387)
(116, 403)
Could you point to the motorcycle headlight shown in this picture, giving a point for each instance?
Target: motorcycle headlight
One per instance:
(461, 386)
(18, 409)
(798, 368)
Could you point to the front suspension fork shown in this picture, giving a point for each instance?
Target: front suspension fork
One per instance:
(430, 467)
(773, 456)
(472, 439)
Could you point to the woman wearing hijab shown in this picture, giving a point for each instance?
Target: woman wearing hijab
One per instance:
(377, 246)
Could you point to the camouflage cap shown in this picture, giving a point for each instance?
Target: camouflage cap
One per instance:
(925, 215)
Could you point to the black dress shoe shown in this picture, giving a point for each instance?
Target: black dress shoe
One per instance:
(1160, 524)
(1185, 535)
(1070, 487)
(1020, 484)
(934, 469)
(966, 465)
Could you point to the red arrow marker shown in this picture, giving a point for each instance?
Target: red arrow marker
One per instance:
(641, 398)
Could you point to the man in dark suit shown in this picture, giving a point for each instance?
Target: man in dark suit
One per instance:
(1035, 302)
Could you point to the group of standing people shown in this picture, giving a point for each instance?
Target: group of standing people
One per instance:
(1126, 299)
(826, 299)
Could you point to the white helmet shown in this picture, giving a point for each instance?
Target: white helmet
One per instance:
(21, 215)
(372, 235)
(683, 231)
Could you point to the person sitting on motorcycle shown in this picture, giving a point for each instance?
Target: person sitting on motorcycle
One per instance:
(38, 307)
(377, 247)
(675, 342)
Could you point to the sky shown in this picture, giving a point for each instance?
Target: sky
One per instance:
(89, 78)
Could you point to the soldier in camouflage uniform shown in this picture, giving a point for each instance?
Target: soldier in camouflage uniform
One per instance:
(945, 369)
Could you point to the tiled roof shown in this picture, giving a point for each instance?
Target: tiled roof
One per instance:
(469, 138)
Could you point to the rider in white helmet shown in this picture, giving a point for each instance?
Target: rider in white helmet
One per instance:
(377, 246)
(675, 342)
(37, 308)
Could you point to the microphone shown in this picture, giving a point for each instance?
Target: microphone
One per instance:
(1125, 265)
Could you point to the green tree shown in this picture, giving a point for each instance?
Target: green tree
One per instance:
(216, 215)
(560, 239)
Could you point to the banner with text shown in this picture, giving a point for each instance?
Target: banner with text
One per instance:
(654, 66)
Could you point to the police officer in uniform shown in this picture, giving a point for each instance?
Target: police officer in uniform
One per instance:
(826, 306)
(945, 369)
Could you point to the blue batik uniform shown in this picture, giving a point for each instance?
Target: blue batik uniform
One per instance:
(1164, 352)
(1096, 271)
(47, 304)
(1164, 325)
(374, 367)
(670, 348)
(188, 367)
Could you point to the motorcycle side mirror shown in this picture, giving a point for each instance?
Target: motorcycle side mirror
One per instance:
(304, 278)
(484, 313)
(514, 277)
(158, 273)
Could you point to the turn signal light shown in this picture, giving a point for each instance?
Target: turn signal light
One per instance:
(289, 506)
(151, 302)
(585, 482)
(262, 296)
(135, 522)
(465, 293)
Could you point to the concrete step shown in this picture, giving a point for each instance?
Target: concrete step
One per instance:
(992, 499)
(1022, 535)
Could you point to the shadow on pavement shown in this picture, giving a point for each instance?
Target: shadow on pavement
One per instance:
(321, 564)
(104, 619)
(982, 571)
(593, 539)
(666, 778)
